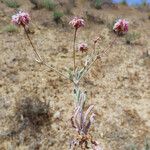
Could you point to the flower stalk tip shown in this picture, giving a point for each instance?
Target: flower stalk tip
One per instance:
(77, 22)
(21, 19)
(121, 27)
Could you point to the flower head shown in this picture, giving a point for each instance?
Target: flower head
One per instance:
(82, 47)
(77, 22)
(21, 18)
(121, 26)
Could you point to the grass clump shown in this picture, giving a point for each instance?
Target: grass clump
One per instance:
(49, 4)
(130, 38)
(98, 4)
(10, 29)
(11, 3)
(57, 16)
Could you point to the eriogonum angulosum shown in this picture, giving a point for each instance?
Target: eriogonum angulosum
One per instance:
(82, 47)
(21, 19)
(77, 22)
(121, 26)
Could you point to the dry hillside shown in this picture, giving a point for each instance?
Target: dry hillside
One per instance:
(118, 85)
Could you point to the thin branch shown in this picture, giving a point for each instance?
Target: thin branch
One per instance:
(34, 49)
(95, 59)
(40, 60)
(94, 47)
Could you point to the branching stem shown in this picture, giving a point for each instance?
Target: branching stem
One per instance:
(95, 59)
(40, 60)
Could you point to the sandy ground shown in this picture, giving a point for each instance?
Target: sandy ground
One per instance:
(118, 85)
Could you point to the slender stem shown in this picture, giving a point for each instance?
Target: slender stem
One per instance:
(40, 60)
(95, 59)
(95, 42)
(34, 49)
(51, 67)
(94, 47)
(74, 49)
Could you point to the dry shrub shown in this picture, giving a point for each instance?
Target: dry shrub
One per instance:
(35, 111)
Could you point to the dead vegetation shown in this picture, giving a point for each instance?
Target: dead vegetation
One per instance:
(28, 114)
(35, 111)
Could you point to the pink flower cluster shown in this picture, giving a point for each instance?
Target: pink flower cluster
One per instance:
(121, 26)
(21, 18)
(82, 47)
(77, 22)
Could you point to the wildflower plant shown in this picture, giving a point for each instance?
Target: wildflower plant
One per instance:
(82, 118)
